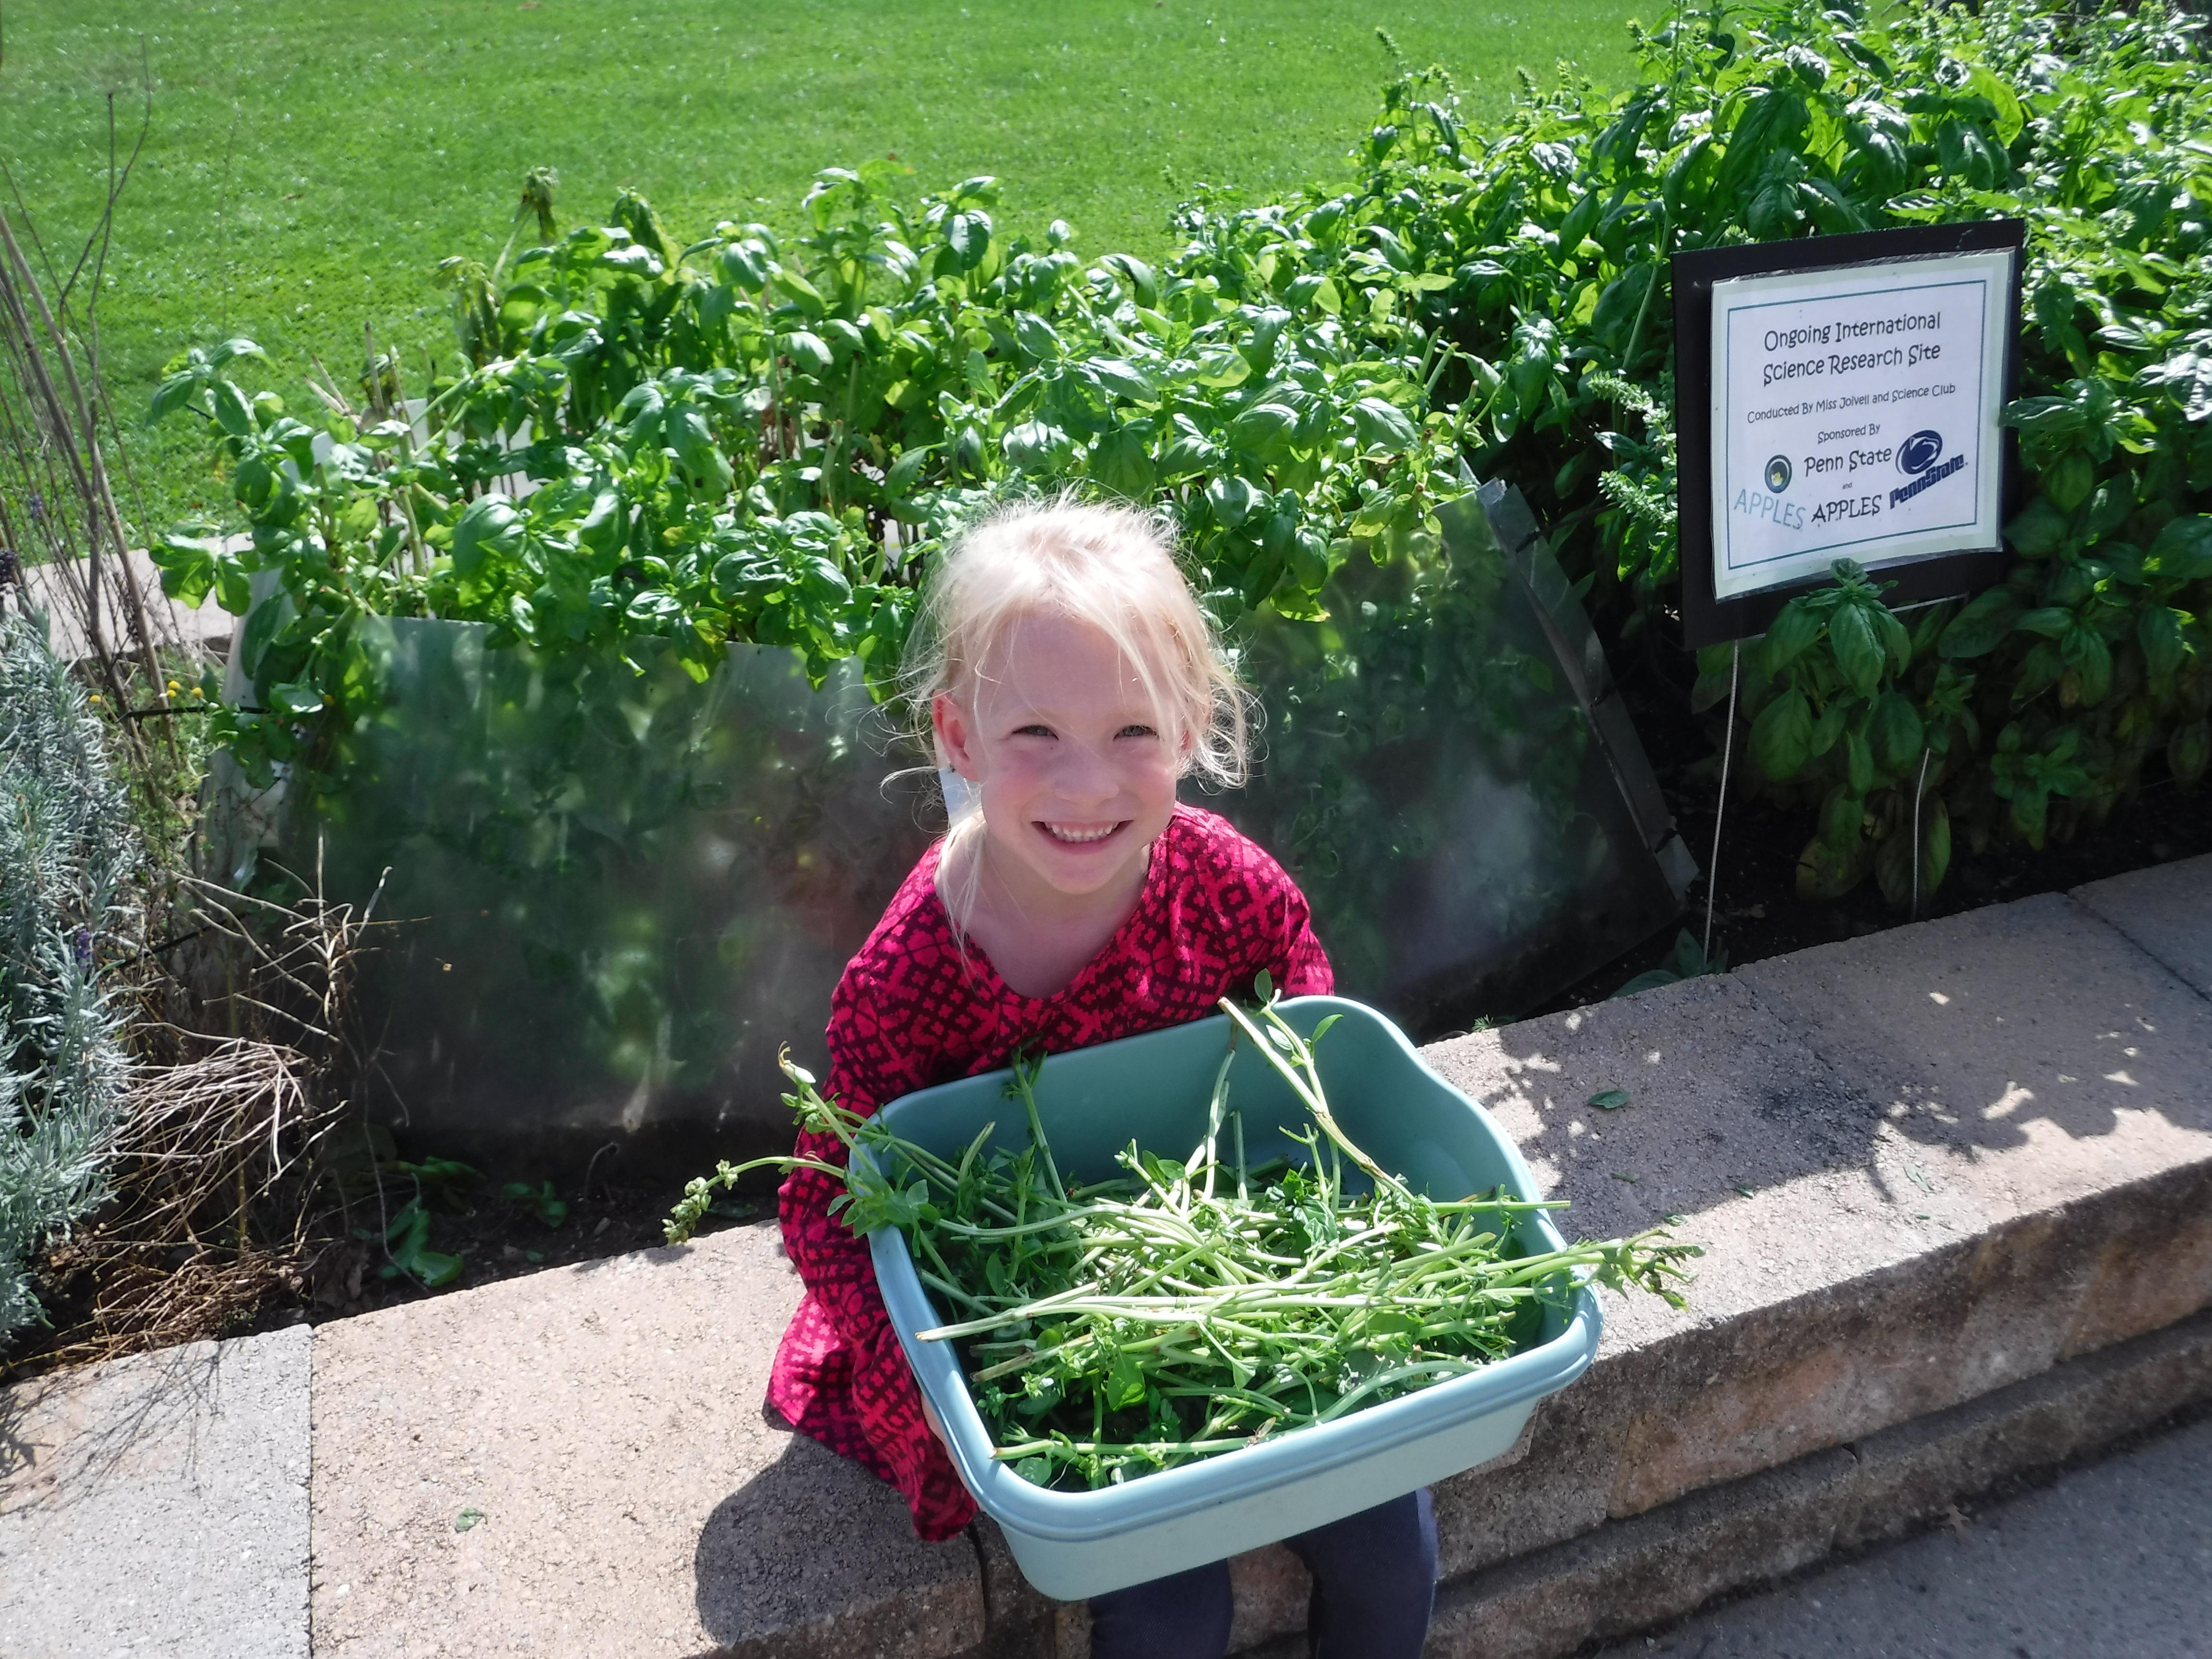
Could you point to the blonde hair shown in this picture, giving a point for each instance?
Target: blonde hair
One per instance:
(1112, 567)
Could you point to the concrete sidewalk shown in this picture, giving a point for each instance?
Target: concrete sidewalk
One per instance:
(2114, 1559)
(205, 631)
(1955, 1184)
(158, 1505)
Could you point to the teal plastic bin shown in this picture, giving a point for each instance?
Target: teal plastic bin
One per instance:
(1154, 1088)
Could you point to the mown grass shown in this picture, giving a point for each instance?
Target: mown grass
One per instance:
(310, 160)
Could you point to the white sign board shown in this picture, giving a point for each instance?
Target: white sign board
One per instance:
(1856, 416)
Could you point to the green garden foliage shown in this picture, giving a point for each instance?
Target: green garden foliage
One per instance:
(744, 437)
(737, 440)
(2036, 706)
(66, 859)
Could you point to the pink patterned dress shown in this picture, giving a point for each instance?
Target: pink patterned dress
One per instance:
(911, 1011)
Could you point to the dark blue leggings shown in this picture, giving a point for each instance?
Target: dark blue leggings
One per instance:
(1375, 1581)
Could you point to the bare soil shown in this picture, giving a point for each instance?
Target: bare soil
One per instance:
(1757, 911)
(496, 1237)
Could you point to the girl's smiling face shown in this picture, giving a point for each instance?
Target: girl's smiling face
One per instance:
(1075, 774)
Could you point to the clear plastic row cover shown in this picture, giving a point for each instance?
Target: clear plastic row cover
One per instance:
(615, 894)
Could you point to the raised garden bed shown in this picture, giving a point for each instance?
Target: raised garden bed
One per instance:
(610, 897)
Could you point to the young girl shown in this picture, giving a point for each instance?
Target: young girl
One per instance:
(1071, 680)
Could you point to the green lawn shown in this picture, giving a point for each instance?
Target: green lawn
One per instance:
(311, 160)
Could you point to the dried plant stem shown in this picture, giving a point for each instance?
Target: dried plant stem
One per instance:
(221, 1173)
(90, 467)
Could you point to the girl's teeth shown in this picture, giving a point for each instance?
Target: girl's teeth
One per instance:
(1059, 834)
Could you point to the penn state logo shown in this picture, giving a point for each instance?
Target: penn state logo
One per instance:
(1778, 475)
(1919, 451)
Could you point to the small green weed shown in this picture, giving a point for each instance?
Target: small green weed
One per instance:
(406, 1237)
(1686, 961)
(407, 1248)
(540, 1202)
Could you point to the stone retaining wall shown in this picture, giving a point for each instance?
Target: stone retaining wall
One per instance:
(1955, 1185)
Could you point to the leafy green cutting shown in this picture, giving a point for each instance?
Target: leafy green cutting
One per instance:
(541, 1202)
(1687, 960)
(407, 1249)
(407, 1229)
(1191, 1306)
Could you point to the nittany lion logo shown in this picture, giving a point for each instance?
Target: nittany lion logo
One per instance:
(1919, 451)
(1778, 474)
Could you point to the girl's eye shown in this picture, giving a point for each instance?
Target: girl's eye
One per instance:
(1136, 731)
(1033, 731)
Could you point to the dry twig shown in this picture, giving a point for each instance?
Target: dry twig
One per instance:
(221, 1195)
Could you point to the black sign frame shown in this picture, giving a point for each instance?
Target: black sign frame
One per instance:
(1710, 620)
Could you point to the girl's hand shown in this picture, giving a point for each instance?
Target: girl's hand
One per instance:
(929, 1416)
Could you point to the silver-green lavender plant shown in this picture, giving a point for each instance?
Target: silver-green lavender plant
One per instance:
(67, 858)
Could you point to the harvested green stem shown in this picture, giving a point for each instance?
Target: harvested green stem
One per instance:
(1118, 1327)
